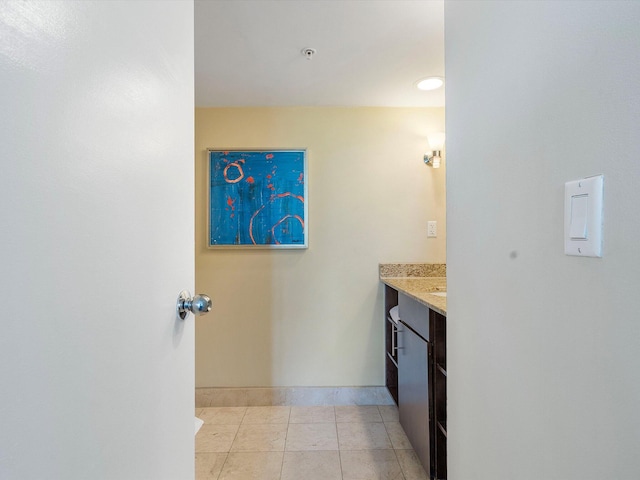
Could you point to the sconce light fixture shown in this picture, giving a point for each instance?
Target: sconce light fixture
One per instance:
(436, 144)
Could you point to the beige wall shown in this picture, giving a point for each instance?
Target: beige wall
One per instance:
(314, 317)
(543, 348)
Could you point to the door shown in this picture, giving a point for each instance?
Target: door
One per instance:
(413, 391)
(96, 239)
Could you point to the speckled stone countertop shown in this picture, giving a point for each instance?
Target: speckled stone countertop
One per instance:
(418, 281)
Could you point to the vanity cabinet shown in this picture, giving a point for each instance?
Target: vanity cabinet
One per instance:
(438, 334)
(416, 377)
(391, 343)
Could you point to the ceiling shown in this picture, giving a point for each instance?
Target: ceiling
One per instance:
(368, 52)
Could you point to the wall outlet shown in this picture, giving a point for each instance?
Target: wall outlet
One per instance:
(432, 228)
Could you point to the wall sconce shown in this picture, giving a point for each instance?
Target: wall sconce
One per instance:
(436, 144)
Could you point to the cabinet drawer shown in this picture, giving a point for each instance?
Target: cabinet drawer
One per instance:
(414, 314)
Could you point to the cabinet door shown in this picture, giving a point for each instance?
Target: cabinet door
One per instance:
(413, 391)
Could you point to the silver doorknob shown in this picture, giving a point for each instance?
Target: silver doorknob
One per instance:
(198, 305)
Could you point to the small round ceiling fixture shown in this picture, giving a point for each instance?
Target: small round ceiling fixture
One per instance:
(430, 83)
(308, 52)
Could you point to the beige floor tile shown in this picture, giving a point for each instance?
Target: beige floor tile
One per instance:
(222, 415)
(311, 466)
(397, 436)
(410, 465)
(209, 465)
(311, 436)
(260, 438)
(389, 413)
(357, 413)
(256, 415)
(198, 410)
(252, 466)
(370, 465)
(215, 438)
(363, 436)
(312, 415)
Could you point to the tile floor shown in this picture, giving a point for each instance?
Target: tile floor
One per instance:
(304, 443)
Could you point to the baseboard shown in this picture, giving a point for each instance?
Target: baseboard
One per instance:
(291, 396)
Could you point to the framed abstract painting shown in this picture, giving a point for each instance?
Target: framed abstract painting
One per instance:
(257, 199)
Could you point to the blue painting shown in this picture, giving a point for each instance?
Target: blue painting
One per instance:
(257, 198)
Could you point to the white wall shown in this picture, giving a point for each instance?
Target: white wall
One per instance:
(544, 349)
(314, 317)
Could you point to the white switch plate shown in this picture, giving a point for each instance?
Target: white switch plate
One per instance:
(432, 228)
(583, 217)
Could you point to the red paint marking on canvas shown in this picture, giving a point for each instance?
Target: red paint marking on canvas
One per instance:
(250, 180)
(269, 156)
(230, 202)
(240, 172)
(273, 233)
(289, 194)
(253, 240)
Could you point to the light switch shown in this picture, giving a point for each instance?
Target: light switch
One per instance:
(583, 217)
(579, 208)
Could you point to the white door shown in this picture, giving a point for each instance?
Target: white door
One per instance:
(96, 239)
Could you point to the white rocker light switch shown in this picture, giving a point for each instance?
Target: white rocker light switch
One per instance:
(583, 217)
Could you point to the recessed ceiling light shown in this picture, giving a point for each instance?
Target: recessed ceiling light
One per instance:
(430, 83)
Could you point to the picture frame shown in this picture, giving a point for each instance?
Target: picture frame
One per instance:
(257, 198)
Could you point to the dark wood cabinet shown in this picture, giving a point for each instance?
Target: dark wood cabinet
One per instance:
(438, 331)
(416, 376)
(413, 391)
(391, 342)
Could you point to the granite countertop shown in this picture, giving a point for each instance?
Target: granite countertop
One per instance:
(418, 281)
